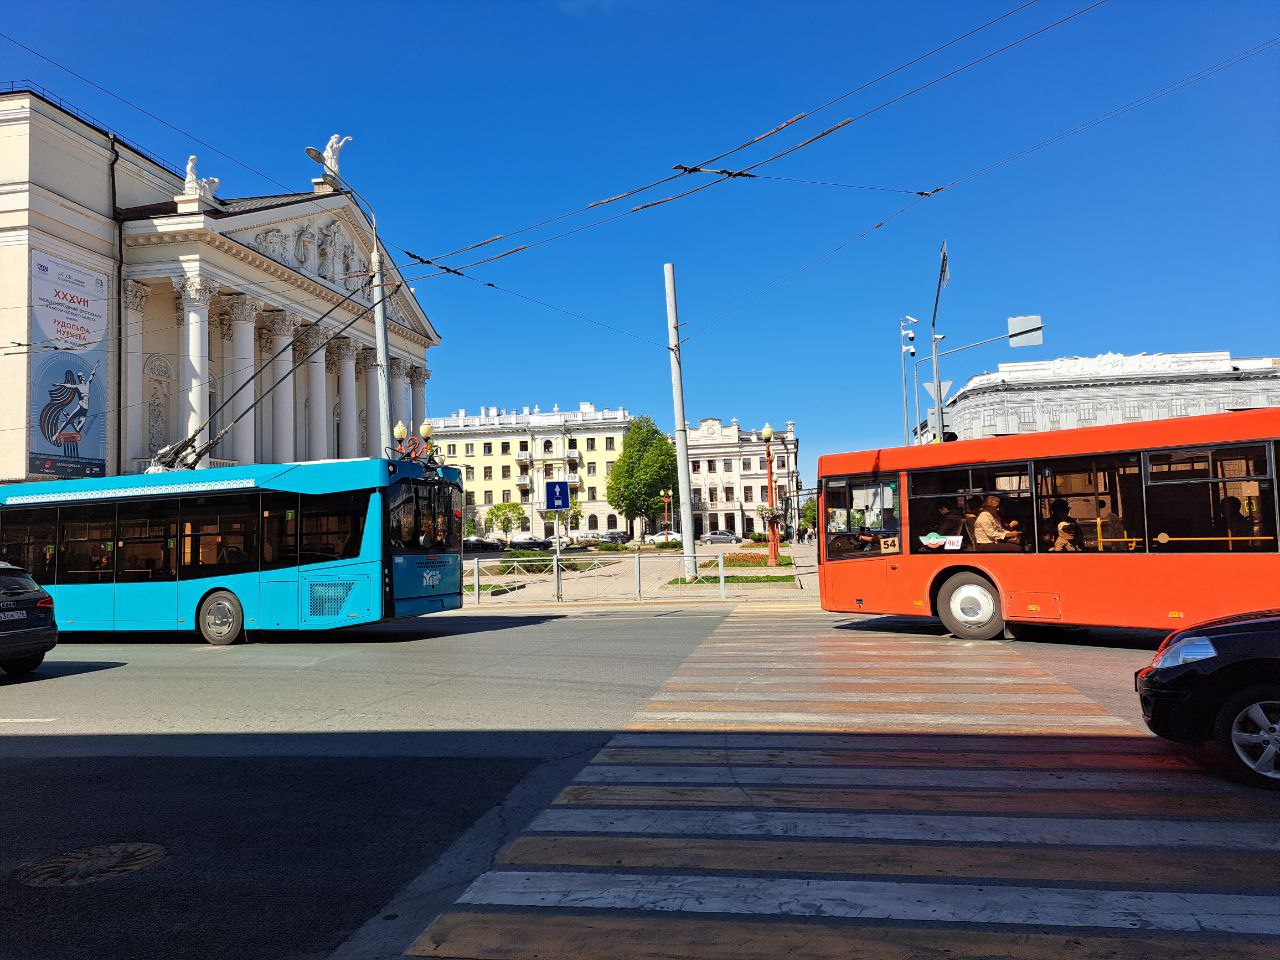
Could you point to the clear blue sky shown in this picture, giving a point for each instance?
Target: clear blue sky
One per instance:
(1156, 232)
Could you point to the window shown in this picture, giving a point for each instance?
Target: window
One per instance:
(593, 522)
(764, 493)
(547, 446)
(711, 466)
(862, 517)
(591, 443)
(506, 447)
(333, 523)
(1211, 500)
(86, 543)
(608, 445)
(746, 463)
(591, 469)
(712, 495)
(1090, 504)
(695, 466)
(713, 522)
(608, 468)
(728, 494)
(471, 473)
(1177, 408)
(488, 496)
(27, 539)
(573, 445)
(947, 508)
(1132, 410)
(747, 495)
(452, 450)
(470, 449)
(748, 525)
(989, 418)
(611, 522)
(506, 496)
(506, 472)
(547, 472)
(488, 449)
(279, 530)
(591, 493)
(781, 463)
(470, 498)
(219, 536)
(524, 496)
(425, 517)
(728, 466)
(573, 523)
(1085, 413)
(488, 473)
(524, 524)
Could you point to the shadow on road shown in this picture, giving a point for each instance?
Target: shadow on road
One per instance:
(57, 669)
(1130, 638)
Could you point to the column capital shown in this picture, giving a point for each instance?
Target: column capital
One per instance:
(399, 367)
(222, 324)
(367, 358)
(280, 323)
(417, 376)
(311, 336)
(135, 296)
(343, 349)
(265, 339)
(195, 291)
(243, 308)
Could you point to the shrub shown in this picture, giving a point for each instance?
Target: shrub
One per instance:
(526, 555)
(668, 545)
(749, 560)
(607, 546)
(757, 537)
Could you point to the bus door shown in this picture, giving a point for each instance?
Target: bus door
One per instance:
(279, 605)
(146, 557)
(85, 598)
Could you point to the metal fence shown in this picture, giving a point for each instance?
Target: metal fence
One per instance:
(623, 576)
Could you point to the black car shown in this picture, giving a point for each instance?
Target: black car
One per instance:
(615, 536)
(1220, 681)
(480, 544)
(27, 627)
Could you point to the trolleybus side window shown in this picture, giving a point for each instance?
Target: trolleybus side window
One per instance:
(1091, 504)
(862, 517)
(86, 543)
(27, 539)
(146, 541)
(333, 525)
(279, 530)
(1211, 500)
(219, 536)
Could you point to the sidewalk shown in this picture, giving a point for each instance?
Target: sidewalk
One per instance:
(819, 792)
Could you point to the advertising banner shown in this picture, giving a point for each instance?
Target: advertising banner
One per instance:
(68, 404)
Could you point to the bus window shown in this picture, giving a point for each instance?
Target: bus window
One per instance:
(147, 541)
(86, 542)
(333, 525)
(1091, 505)
(941, 514)
(862, 518)
(27, 539)
(402, 511)
(1225, 505)
(279, 530)
(219, 536)
(439, 526)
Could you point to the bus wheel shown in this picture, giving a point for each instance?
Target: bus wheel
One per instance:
(969, 606)
(220, 620)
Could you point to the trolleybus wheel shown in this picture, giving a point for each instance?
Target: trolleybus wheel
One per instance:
(969, 606)
(220, 619)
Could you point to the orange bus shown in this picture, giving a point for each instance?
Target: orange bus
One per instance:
(1153, 524)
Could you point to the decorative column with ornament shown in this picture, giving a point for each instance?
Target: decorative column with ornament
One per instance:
(772, 518)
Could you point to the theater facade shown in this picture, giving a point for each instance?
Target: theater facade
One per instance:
(136, 303)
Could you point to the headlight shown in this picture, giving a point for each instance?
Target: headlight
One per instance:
(1184, 651)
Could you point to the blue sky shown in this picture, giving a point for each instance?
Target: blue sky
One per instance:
(1156, 232)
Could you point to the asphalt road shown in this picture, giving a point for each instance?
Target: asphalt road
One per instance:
(295, 786)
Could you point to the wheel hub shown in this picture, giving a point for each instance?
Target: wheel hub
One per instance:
(973, 605)
(219, 618)
(1253, 737)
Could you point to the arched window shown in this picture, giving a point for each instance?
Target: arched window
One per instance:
(573, 523)
(593, 522)
(524, 524)
(546, 446)
(611, 521)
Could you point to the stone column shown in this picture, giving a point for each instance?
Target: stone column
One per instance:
(418, 377)
(237, 372)
(399, 404)
(196, 292)
(262, 415)
(220, 350)
(135, 301)
(281, 325)
(369, 363)
(317, 395)
(343, 351)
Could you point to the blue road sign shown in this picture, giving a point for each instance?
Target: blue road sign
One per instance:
(557, 494)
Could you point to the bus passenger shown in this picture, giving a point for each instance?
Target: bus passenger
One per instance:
(1067, 541)
(990, 531)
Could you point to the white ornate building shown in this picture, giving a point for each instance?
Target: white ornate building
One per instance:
(1111, 388)
(729, 475)
(173, 298)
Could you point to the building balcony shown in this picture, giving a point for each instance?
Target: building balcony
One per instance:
(523, 481)
(524, 456)
(574, 480)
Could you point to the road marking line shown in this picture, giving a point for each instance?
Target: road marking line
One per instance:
(30, 720)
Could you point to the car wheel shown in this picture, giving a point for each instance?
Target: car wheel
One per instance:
(1247, 731)
(969, 606)
(22, 665)
(221, 619)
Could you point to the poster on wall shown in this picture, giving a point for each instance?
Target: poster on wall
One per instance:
(68, 422)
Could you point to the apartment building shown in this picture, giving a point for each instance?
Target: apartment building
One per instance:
(728, 472)
(507, 456)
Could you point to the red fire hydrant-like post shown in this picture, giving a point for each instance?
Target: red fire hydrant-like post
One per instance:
(767, 434)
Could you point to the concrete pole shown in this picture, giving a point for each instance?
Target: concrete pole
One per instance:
(682, 438)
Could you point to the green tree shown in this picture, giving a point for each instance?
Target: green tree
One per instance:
(469, 528)
(646, 467)
(505, 517)
(809, 513)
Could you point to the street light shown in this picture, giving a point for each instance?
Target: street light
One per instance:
(767, 435)
(907, 336)
(665, 497)
(401, 431)
(330, 177)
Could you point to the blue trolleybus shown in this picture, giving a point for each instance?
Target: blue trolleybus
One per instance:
(294, 546)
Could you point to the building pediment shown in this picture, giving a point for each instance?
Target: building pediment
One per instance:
(327, 239)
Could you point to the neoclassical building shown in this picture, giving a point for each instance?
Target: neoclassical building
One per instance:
(729, 475)
(142, 300)
(1112, 388)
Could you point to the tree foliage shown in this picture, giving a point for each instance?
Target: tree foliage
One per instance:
(809, 513)
(647, 465)
(504, 517)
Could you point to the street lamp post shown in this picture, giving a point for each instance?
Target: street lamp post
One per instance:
(665, 497)
(906, 337)
(767, 435)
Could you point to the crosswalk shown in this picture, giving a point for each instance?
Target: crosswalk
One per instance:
(809, 787)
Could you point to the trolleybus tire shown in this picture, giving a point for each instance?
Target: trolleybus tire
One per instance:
(969, 606)
(19, 666)
(220, 619)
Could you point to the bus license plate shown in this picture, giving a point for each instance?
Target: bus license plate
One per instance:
(13, 614)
